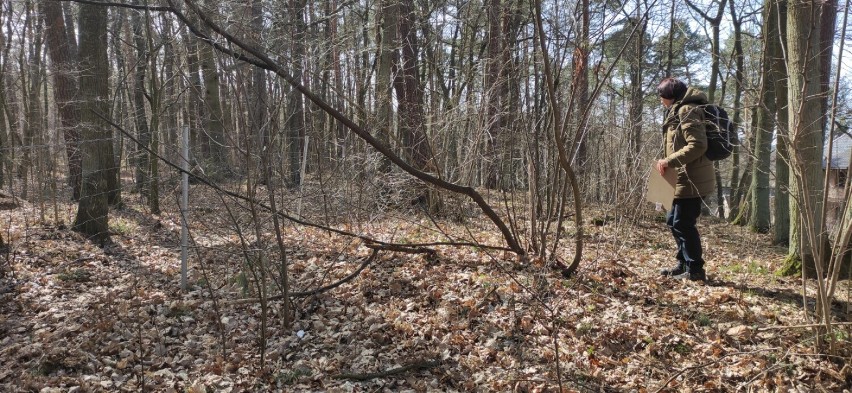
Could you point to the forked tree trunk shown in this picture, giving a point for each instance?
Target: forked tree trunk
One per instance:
(412, 125)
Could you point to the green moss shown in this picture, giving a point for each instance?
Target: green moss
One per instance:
(703, 320)
(792, 266)
(76, 275)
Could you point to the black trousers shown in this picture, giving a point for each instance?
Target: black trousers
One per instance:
(681, 220)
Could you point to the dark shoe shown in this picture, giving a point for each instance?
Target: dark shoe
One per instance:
(674, 271)
(692, 276)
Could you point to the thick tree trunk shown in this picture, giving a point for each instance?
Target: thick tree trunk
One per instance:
(805, 110)
(96, 143)
(781, 230)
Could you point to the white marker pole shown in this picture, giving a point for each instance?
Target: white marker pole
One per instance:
(184, 202)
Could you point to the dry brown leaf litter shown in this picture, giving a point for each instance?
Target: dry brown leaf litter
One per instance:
(79, 318)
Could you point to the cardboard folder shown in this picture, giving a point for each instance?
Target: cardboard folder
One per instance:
(661, 188)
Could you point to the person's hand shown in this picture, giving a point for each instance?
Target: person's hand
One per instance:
(661, 166)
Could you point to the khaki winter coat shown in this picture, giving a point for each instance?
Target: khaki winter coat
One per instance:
(686, 142)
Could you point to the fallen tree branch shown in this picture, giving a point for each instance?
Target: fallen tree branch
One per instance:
(257, 58)
(812, 325)
(262, 60)
(702, 365)
(402, 248)
(319, 290)
(416, 366)
(366, 239)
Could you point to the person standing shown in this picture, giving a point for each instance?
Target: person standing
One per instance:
(685, 144)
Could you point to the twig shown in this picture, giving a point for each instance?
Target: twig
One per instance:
(812, 325)
(416, 366)
(486, 297)
(673, 377)
(318, 290)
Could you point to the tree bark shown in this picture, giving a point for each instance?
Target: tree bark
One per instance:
(759, 217)
(714, 22)
(96, 143)
(140, 117)
(493, 80)
(805, 105)
(296, 116)
(387, 43)
(581, 89)
(782, 210)
(60, 49)
(216, 152)
(409, 91)
(737, 158)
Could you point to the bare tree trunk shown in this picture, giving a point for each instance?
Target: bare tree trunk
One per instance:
(387, 43)
(140, 117)
(410, 95)
(636, 59)
(581, 89)
(65, 92)
(737, 158)
(828, 20)
(217, 154)
(96, 144)
(714, 22)
(31, 80)
(171, 84)
(156, 100)
(11, 107)
(759, 220)
(782, 208)
(805, 109)
(4, 138)
(494, 109)
(296, 117)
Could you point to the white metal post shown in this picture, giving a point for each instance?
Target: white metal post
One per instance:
(184, 203)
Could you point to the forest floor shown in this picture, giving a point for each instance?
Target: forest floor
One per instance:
(79, 318)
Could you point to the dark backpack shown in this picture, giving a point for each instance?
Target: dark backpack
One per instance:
(721, 133)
